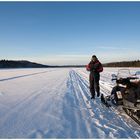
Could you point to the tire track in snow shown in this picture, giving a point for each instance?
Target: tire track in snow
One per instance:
(94, 107)
(82, 125)
(96, 128)
(85, 98)
(25, 75)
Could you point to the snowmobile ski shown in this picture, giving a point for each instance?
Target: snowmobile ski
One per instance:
(104, 101)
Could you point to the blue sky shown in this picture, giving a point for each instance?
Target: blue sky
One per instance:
(58, 33)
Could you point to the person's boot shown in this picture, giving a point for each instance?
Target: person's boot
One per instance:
(98, 94)
(93, 97)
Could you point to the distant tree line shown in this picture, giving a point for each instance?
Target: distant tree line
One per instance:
(27, 64)
(123, 64)
(19, 64)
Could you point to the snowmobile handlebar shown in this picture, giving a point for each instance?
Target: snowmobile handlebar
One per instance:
(113, 79)
(128, 78)
(124, 81)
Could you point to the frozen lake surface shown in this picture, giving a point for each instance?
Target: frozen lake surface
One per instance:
(55, 103)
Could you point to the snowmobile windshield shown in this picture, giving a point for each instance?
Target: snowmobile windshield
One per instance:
(123, 73)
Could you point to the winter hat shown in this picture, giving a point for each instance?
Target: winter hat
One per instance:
(94, 56)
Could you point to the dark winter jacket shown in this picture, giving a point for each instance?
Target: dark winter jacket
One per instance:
(94, 67)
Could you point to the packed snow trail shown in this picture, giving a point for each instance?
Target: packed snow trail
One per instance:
(55, 103)
(109, 122)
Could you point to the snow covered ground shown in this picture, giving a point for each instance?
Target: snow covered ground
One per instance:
(55, 103)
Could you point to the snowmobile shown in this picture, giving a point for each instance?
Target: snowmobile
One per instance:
(125, 93)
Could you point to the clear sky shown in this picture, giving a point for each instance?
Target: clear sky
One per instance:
(58, 33)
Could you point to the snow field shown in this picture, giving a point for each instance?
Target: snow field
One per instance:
(55, 103)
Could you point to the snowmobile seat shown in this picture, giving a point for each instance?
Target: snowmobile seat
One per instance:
(136, 82)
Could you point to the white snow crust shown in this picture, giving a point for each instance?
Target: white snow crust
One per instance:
(55, 103)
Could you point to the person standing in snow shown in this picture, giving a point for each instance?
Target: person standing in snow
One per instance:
(95, 67)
